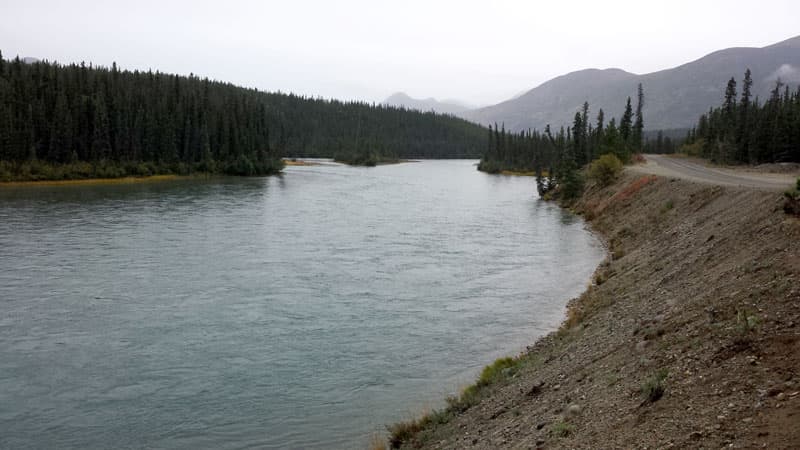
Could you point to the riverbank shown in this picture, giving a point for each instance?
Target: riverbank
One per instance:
(37, 171)
(91, 181)
(689, 336)
(299, 162)
(517, 173)
(371, 162)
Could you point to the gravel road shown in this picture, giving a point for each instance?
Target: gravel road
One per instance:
(667, 166)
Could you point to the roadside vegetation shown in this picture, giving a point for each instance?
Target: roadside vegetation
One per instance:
(791, 204)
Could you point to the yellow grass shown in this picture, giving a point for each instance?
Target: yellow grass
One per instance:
(518, 173)
(297, 162)
(93, 181)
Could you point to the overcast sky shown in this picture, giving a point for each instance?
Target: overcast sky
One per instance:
(480, 52)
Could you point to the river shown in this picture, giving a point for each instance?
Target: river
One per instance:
(300, 311)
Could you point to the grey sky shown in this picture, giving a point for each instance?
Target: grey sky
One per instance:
(476, 51)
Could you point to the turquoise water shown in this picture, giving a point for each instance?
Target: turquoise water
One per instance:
(302, 311)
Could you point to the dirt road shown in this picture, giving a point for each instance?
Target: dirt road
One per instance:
(671, 167)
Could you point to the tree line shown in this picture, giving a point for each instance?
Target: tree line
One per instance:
(745, 130)
(79, 121)
(556, 156)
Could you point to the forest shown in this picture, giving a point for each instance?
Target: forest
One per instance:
(745, 130)
(580, 143)
(79, 121)
(559, 155)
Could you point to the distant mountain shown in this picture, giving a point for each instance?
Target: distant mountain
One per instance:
(30, 60)
(402, 99)
(674, 98)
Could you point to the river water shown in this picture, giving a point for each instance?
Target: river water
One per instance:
(300, 311)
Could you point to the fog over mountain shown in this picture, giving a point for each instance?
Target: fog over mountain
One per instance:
(453, 107)
(674, 98)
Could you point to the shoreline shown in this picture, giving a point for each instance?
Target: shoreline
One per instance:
(515, 173)
(667, 346)
(299, 162)
(91, 181)
(377, 163)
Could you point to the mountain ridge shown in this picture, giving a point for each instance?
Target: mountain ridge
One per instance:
(447, 106)
(674, 97)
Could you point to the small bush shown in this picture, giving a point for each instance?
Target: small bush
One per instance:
(653, 389)
(499, 369)
(469, 397)
(693, 149)
(745, 322)
(605, 169)
(562, 429)
(793, 194)
(489, 166)
(403, 432)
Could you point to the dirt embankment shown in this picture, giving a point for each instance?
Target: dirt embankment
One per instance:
(690, 337)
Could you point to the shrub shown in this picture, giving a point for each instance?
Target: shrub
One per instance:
(489, 166)
(242, 166)
(562, 429)
(605, 169)
(654, 387)
(693, 149)
(403, 432)
(501, 368)
(745, 322)
(469, 397)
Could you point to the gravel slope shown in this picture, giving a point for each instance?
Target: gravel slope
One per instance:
(703, 287)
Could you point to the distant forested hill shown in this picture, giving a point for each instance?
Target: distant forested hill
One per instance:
(79, 121)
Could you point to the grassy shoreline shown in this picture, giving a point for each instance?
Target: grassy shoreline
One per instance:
(36, 171)
(98, 181)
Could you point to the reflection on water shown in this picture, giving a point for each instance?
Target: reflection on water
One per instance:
(286, 312)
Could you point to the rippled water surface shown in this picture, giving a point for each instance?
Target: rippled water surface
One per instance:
(285, 312)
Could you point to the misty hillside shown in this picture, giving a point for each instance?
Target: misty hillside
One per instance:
(401, 99)
(674, 98)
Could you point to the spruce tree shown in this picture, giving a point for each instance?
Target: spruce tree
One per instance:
(626, 123)
(743, 132)
(638, 127)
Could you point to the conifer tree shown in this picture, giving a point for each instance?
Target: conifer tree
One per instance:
(626, 123)
(743, 131)
(638, 127)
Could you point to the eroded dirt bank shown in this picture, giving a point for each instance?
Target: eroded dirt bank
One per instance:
(701, 299)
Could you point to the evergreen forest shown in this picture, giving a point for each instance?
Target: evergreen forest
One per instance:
(745, 130)
(578, 144)
(79, 121)
(556, 157)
